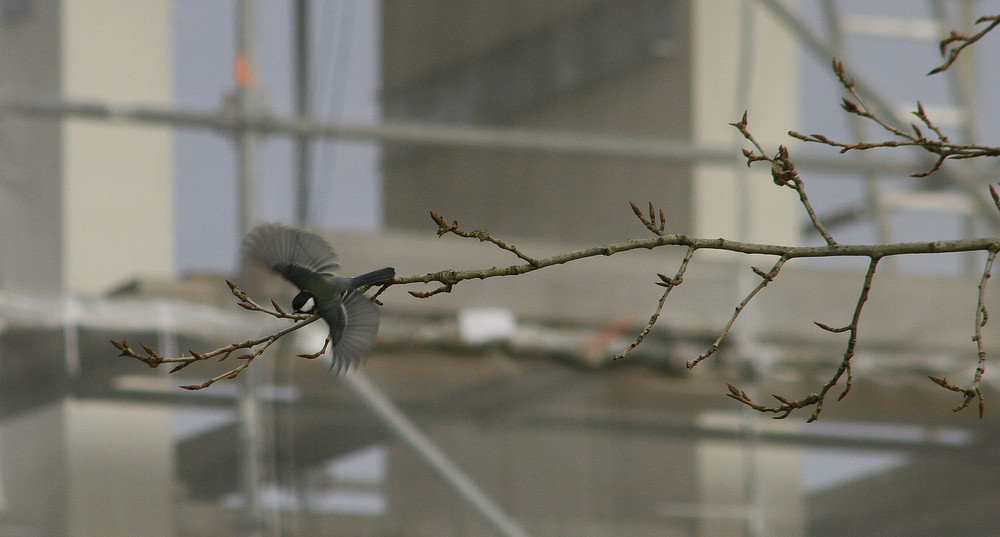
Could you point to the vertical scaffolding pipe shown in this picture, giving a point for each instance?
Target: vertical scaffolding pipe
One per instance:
(251, 439)
(302, 141)
(246, 104)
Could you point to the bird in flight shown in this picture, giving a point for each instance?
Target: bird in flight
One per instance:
(309, 262)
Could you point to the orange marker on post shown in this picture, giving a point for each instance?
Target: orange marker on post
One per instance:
(245, 77)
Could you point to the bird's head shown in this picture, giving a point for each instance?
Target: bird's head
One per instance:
(304, 302)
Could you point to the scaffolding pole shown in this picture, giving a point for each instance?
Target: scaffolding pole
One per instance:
(303, 153)
(427, 134)
(408, 432)
(252, 449)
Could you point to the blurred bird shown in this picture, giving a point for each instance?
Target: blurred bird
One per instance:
(308, 261)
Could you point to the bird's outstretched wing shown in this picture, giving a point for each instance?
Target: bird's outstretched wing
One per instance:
(297, 255)
(353, 332)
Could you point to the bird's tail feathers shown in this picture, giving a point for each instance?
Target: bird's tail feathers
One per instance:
(374, 276)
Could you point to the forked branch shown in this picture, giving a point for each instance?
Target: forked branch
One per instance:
(955, 43)
(816, 399)
(249, 350)
(783, 173)
(938, 144)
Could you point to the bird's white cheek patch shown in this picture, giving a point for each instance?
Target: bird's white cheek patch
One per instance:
(309, 305)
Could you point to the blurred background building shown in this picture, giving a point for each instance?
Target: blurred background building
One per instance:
(136, 146)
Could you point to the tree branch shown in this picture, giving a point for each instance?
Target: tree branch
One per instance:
(939, 145)
(766, 278)
(955, 43)
(481, 234)
(784, 174)
(817, 399)
(667, 282)
(449, 278)
(254, 346)
(974, 390)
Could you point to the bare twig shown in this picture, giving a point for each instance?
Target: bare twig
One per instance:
(669, 283)
(782, 411)
(784, 174)
(817, 399)
(765, 278)
(974, 390)
(940, 145)
(876, 252)
(247, 303)
(254, 346)
(955, 43)
(481, 234)
(444, 288)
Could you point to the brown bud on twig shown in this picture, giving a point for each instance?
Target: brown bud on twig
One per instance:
(943, 383)
(636, 209)
(742, 124)
(667, 280)
(829, 328)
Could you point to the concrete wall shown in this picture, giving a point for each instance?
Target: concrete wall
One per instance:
(86, 205)
(684, 79)
(31, 159)
(89, 469)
